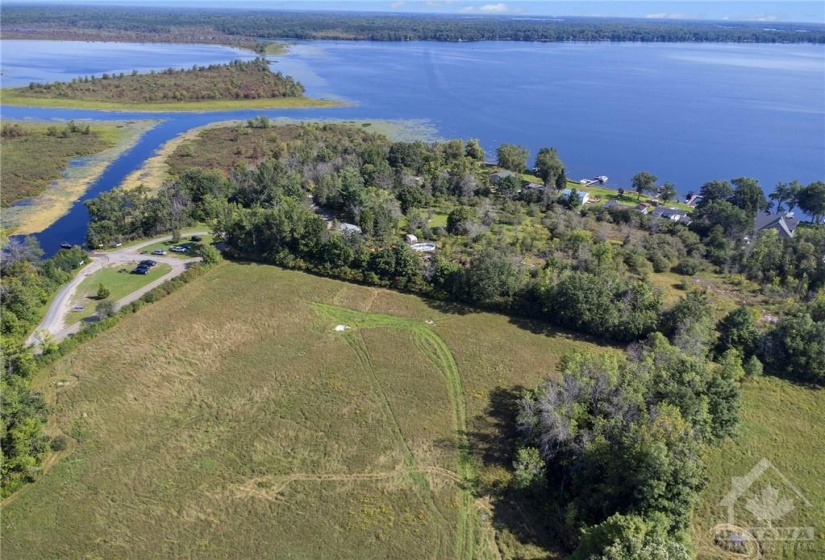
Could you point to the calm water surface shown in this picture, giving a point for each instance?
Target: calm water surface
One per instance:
(687, 113)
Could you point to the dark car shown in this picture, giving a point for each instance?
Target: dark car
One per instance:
(141, 270)
(148, 263)
(197, 238)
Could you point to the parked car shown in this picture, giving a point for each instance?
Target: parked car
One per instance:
(147, 263)
(159, 252)
(197, 238)
(141, 270)
(178, 249)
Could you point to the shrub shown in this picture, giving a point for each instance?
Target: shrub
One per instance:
(689, 266)
(105, 309)
(103, 292)
(59, 443)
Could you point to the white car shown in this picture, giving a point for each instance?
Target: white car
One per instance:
(159, 252)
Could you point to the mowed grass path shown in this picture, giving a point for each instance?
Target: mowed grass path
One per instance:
(231, 420)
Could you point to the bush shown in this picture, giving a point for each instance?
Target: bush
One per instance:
(105, 309)
(210, 255)
(689, 266)
(59, 443)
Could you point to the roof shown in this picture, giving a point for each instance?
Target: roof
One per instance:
(785, 224)
(674, 214)
(502, 174)
(536, 186)
(612, 203)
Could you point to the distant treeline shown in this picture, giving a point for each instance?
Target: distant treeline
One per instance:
(236, 80)
(217, 25)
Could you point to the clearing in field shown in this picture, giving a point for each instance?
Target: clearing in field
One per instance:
(268, 413)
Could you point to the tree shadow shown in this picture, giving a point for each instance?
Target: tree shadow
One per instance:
(520, 517)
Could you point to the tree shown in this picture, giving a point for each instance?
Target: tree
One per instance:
(474, 150)
(667, 192)
(643, 182)
(737, 331)
(459, 219)
(102, 291)
(713, 191)
(491, 275)
(548, 165)
(812, 200)
(786, 193)
(794, 349)
(512, 157)
(748, 196)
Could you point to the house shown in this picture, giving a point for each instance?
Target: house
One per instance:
(643, 208)
(499, 175)
(612, 203)
(584, 196)
(673, 214)
(784, 223)
(693, 200)
(534, 186)
(410, 238)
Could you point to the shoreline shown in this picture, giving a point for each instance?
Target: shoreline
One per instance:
(10, 99)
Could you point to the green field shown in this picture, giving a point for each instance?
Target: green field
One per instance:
(234, 421)
(118, 280)
(785, 424)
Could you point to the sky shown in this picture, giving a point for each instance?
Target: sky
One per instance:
(809, 11)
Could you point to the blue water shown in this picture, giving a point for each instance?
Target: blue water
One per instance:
(688, 113)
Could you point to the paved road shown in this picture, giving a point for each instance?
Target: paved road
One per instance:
(54, 322)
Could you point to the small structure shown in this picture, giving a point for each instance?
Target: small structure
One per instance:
(499, 175)
(534, 186)
(411, 239)
(643, 208)
(784, 223)
(693, 200)
(612, 203)
(349, 228)
(584, 196)
(423, 247)
(672, 214)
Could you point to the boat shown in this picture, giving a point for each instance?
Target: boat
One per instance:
(65, 245)
(601, 179)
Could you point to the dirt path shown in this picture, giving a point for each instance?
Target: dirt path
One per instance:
(53, 322)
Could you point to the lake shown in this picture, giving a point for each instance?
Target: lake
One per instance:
(687, 113)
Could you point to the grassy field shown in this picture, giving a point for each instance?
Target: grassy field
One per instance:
(56, 185)
(785, 424)
(118, 280)
(234, 420)
(12, 97)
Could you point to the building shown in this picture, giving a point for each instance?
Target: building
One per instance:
(784, 223)
(410, 238)
(499, 175)
(349, 228)
(613, 203)
(643, 208)
(672, 214)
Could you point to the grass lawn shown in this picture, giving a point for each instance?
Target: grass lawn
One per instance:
(236, 421)
(118, 280)
(785, 424)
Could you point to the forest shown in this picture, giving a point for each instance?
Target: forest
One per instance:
(247, 27)
(236, 80)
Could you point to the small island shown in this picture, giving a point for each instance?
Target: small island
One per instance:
(236, 85)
